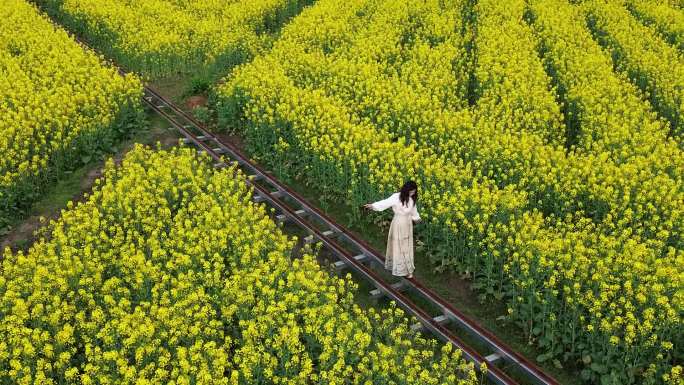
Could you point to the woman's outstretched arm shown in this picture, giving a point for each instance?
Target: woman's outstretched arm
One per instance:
(383, 204)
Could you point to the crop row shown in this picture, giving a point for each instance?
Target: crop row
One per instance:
(160, 38)
(652, 64)
(664, 18)
(59, 106)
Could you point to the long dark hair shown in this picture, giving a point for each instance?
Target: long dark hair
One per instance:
(404, 193)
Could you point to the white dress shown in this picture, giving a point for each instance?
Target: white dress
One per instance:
(399, 256)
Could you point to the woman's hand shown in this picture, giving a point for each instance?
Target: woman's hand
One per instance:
(368, 206)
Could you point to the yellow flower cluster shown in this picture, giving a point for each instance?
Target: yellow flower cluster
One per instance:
(170, 274)
(584, 245)
(664, 18)
(403, 49)
(651, 63)
(605, 109)
(514, 92)
(58, 105)
(161, 37)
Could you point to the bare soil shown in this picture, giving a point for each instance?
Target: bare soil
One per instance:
(196, 101)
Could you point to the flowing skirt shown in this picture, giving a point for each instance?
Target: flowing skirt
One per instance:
(399, 256)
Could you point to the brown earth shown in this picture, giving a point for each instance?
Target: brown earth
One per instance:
(196, 101)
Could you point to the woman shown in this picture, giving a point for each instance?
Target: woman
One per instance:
(399, 256)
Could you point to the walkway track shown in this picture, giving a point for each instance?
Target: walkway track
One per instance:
(305, 214)
(359, 256)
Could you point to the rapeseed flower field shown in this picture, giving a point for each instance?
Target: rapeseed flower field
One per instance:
(159, 38)
(170, 274)
(59, 106)
(546, 139)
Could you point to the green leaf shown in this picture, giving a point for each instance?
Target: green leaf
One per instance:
(586, 359)
(598, 368)
(542, 357)
(557, 364)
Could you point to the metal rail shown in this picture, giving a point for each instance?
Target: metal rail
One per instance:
(305, 217)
